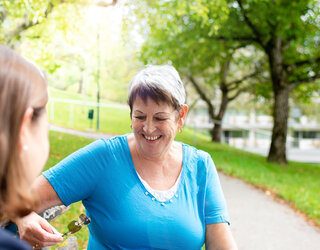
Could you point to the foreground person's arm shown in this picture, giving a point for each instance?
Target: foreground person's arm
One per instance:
(219, 237)
(33, 228)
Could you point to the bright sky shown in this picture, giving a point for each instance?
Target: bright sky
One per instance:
(107, 18)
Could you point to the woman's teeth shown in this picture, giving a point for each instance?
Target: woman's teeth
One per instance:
(152, 138)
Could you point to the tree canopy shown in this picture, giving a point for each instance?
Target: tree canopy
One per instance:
(67, 47)
(195, 34)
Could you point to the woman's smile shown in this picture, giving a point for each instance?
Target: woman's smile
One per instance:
(152, 138)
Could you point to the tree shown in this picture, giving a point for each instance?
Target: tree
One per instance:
(180, 32)
(229, 89)
(19, 15)
(288, 33)
(55, 41)
(66, 46)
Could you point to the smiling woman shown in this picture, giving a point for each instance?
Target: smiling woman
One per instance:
(142, 190)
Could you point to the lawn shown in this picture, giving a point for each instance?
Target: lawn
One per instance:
(112, 120)
(297, 183)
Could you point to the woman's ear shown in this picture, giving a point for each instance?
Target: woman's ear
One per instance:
(25, 127)
(182, 114)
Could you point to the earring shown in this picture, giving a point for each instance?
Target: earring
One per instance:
(25, 147)
(180, 130)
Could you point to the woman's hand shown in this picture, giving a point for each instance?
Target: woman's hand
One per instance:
(37, 231)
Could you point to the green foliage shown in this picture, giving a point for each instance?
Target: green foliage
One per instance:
(305, 93)
(18, 16)
(75, 49)
(194, 39)
(306, 99)
(295, 22)
(182, 33)
(193, 35)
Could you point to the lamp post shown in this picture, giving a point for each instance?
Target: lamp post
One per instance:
(100, 4)
(98, 79)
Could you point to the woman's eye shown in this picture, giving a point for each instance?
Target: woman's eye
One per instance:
(139, 117)
(160, 119)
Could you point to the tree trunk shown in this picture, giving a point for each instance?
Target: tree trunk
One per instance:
(216, 132)
(217, 118)
(277, 152)
(80, 89)
(217, 127)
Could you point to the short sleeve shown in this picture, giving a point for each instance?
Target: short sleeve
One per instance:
(74, 178)
(215, 204)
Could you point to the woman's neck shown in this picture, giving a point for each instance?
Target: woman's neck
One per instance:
(167, 164)
(166, 155)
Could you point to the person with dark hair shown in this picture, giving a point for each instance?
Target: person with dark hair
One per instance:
(24, 145)
(142, 190)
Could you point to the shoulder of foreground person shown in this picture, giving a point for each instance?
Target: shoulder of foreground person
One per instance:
(9, 241)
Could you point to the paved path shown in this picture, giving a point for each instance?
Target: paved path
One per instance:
(88, 134)
(260, 223)
(257, 221)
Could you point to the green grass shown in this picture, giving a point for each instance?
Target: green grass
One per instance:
(61, 145)
(112, 120)
(56, 93)
(297, 183)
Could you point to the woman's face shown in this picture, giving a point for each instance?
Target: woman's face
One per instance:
(154, 126)
(35, 150)
(39, 146)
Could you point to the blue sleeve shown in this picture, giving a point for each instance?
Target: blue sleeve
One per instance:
(75, 177)
(215, 204)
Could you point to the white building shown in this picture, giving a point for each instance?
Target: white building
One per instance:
(254, 131)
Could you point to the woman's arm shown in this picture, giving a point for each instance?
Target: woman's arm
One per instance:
(219, 237)
(47, 195)
(33, 228)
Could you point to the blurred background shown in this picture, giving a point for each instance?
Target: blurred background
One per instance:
(251, 70)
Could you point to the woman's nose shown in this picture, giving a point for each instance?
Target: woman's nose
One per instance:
(148, 126)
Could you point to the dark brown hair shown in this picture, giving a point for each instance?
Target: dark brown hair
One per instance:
(20, 85)
(158, 95)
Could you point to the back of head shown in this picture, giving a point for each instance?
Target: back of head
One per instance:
(160, 83)
(21, 86)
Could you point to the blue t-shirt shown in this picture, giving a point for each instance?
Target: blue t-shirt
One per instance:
(124, 215)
